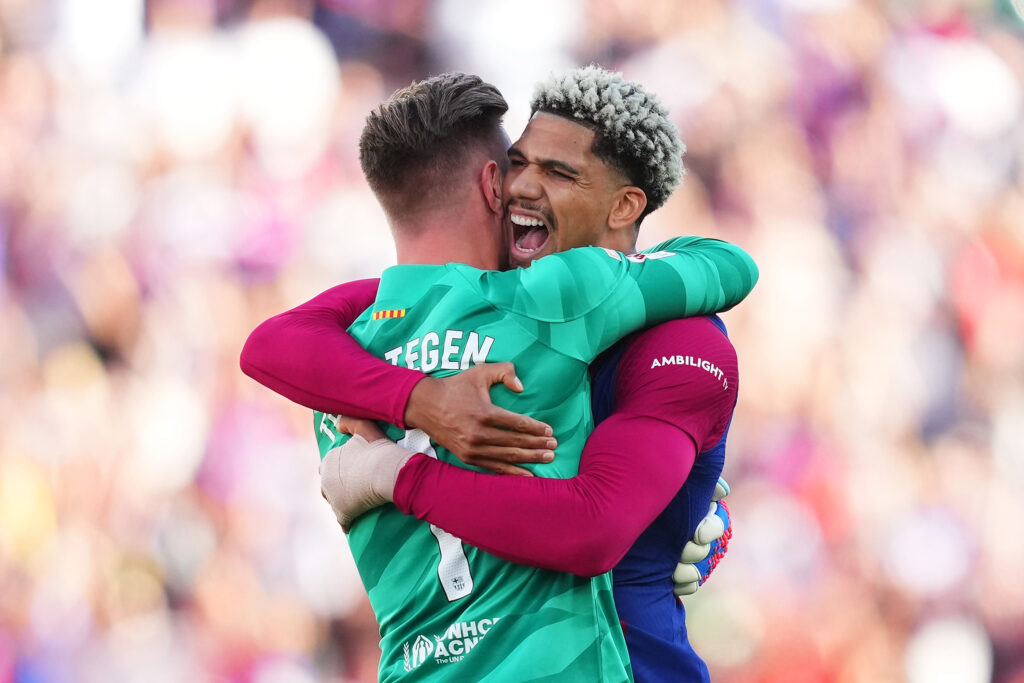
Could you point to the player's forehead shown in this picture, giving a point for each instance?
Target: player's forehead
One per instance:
(549, 137)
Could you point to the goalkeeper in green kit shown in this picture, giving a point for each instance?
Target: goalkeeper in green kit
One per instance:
(434, 154)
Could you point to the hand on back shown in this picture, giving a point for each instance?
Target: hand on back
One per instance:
(457, 412)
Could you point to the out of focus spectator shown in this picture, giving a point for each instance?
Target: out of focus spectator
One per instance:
(174, 171)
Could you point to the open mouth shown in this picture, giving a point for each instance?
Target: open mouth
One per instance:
(529, 234)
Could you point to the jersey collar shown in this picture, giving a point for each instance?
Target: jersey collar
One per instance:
(401, 281)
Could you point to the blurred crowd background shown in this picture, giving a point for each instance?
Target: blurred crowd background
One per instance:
(172, 172)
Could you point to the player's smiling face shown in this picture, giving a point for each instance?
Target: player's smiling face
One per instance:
(557, 193)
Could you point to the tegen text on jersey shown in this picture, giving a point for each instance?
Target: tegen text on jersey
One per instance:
(458, 350)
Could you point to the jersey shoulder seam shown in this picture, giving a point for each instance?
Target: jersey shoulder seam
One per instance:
(543, 319)
(514, 316)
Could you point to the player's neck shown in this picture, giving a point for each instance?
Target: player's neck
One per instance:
(619, 240)
(438, 244)
(462, 231)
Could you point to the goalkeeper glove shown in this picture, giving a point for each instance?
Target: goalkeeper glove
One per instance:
(710, 542)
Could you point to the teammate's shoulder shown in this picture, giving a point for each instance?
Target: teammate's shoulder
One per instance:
(677, 346)
(697, 329)
(556, 288)
(581, 257)
(683, 367)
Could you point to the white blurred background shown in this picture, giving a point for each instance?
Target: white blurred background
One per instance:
(172, 172)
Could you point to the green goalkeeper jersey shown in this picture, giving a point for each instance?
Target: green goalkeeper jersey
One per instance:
(448, 611)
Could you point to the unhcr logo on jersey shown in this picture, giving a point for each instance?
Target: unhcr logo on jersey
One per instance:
(421, 649)
(457, 641)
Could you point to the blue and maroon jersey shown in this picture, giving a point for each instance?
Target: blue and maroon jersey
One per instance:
(653, 619)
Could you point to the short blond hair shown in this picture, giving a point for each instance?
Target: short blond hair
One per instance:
(633, 130)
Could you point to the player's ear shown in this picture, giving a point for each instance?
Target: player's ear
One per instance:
(490, 186)
(628, 204)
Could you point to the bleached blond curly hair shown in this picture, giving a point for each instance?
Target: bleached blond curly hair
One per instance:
(633, 130)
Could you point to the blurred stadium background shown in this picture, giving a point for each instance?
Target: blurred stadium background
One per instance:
(174, 171)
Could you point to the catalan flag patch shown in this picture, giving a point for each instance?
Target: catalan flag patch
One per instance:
(391, 313)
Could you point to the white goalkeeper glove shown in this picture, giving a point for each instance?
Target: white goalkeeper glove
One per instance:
(710, 542)
(359, 476)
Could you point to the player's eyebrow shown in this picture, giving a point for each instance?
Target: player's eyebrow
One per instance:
(545, 163)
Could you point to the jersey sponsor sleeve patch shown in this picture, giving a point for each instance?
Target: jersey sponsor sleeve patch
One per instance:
(685, 373)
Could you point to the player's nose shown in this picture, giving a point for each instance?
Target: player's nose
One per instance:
(525, 183)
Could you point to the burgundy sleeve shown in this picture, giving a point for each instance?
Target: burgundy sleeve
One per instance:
(307, 356)
(684, 372)
(583, 525)
(632, 465)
